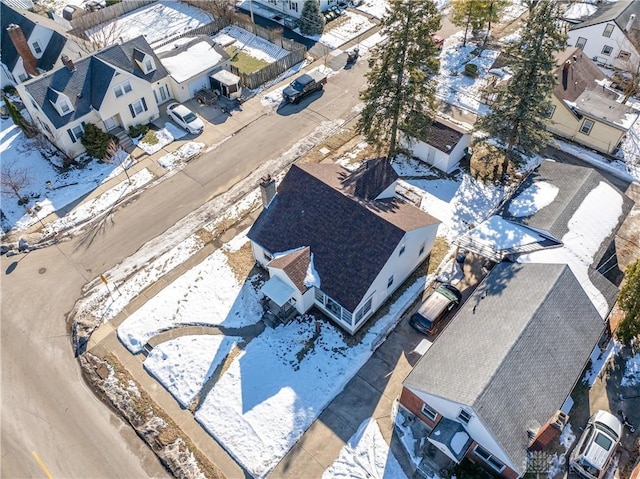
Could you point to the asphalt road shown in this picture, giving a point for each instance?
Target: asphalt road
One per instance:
(52, 424)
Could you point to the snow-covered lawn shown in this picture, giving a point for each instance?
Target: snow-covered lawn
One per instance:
(378, 8)
(178, 158)
(159, 138)
(208, 294)
(282, 380)
(366, 455)
(348, 26)
(25, 153)
(252, 45)
(157, 22)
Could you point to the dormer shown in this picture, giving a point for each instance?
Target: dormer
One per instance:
(60, 102)
(145, 61)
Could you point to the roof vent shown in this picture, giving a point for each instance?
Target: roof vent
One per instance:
(632, 18)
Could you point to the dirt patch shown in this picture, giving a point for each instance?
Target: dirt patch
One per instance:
(438, 252)
(241, 261)
(205, 236)
(487, 164)
(335, 144)
(153, 425)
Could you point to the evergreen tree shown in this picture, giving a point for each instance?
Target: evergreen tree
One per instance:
(629, 301)
(96, 141)
(311, 18)
(467, 13)
(518, 118)
(400, 92)
(27, 128)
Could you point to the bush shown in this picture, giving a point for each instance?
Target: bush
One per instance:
(471, 70)
(10, 90)
(138, 130)
(95, 141)
(150, 138)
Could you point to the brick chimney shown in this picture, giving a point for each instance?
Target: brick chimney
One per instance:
(20, 42)
(267, 189)
(68, 62)
(550, 431)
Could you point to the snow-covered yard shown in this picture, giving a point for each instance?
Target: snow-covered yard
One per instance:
(348, 26)
(252, 45)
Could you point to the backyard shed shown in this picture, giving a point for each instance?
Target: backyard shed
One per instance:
(226, 83)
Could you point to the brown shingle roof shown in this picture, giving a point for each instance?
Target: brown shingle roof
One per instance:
(294, 265)
(371, 179)
(442, 135)
(578, 75)
(351, 239)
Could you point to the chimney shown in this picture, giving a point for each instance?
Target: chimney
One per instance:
(68, 62)
(550, 431)
(267, 189)
(565, 74)
(632, 18)
(20, 42)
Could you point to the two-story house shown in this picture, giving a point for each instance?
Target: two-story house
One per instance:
(117, 87)
(611, 35)
(339, 241)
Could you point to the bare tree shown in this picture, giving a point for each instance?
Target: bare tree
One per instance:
(14, 178)
(217, 9)
(100, 36)
(116, 155)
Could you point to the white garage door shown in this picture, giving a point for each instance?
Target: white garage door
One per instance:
(199, 84)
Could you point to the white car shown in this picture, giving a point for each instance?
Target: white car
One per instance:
(596, 446)
(185, 118)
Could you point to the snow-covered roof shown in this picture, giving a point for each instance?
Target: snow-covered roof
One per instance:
(190, 59)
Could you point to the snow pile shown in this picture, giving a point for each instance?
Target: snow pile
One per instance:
(567, 438)
(207, 294)
(591, 223)
(349, 26)
(632, 371)
(533, 198)
(280, 383)
(579, 10)
(184, 364)
(178, 158)
(513, 11)
(500, 234)
(156, 22)
(161, 139)
(378, 8)
(366, 455)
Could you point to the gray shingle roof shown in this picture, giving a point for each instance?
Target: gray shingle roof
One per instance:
(514, 351)
(88, 84)
(8, 16)
(351, 239)
(618, 12)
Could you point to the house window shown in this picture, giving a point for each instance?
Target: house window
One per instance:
(138, 107)
(23, 77)
(36, 48)
(402, 248)
(333, 307)
(624, 56)
(122, 89)
(293, 5)
(581, 42)
(608, 30)
(487, 457)
(586, 127)
(550, 111)
(390, 282)
(148, 65)
(76, 133)
(607, 49)
(428, 412)
(421, 250)
(464, 416)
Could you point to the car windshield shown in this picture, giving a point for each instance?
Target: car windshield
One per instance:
(418, 318)
(189, 117)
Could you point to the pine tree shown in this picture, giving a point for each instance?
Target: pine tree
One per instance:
(467, 13)
(400, 94)
(311, 18)
(518, 117)
(96, 141)
(629, 301)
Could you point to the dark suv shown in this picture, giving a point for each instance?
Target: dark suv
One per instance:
(434, 308)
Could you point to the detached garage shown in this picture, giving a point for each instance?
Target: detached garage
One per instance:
(441, 145)
(190, 61)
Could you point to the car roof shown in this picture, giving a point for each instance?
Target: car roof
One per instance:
(181, 109)
(609, 420)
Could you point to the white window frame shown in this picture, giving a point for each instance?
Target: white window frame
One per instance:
(605, 48)
(36, 47)
(121, 89)
(390, 282)
(585, 129)
(428, 412)
(608, 30)
(550, 112)
(581, 42)
(62, 103)
(148, 65)
(489, 458)
(465, 416)
(77, 131)
(135, 104)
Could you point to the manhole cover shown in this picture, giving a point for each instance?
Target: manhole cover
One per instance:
(42, 270)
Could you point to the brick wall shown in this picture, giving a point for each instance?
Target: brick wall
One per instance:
(414, 404)
(506, 473)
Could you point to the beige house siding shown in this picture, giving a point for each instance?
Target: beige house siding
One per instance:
(602, 137)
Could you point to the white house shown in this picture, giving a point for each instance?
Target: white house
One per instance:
(442, 144)
(191, 61)
(610, 36)
(337, 240)
(31, 45)
(115, 88)
(291, 8)
(494, 383)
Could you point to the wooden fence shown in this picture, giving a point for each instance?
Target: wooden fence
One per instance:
(91, 19)
(271, 71)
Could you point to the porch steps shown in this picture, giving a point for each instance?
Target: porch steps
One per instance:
(124, 139)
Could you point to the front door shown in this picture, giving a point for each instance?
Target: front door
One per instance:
(111, 123)
(161, 94)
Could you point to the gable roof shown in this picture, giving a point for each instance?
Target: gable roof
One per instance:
(351, 239)
(10, 16)
(514, 351)
(442, 135)
(294, 265)
(87, 86)
(370, 180)
(616, 11)
(188, 57)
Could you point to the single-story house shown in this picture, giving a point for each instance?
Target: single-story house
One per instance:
(560, 213)
(495, 381)
(117, 87)
(31, 45)
(191, 61)
(442, 144)
(611, 35)
(584, 110)
(338, 240)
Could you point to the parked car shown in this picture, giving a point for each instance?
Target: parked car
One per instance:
(304, 85)
(435, 307)
(596, 446)
(185, 118)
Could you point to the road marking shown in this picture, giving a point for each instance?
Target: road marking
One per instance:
(42, 466)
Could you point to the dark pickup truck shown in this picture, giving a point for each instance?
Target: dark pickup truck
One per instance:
(304, 85)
